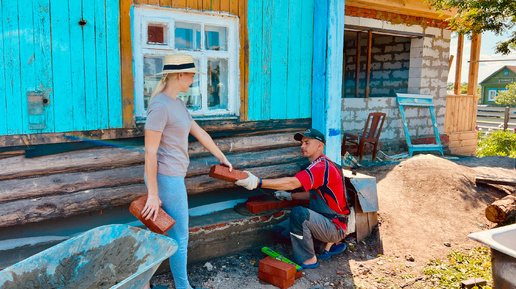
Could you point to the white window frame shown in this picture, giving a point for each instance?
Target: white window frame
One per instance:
(154, 15)
(491, 94)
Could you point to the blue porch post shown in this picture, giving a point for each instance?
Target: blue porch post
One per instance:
(327, 73)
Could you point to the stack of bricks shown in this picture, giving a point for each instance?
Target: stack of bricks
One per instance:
(264, 203)
(278, 273)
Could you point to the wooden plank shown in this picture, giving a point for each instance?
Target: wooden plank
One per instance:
(407, 7)
(306, 56)
(165, 3)
(488, 180)
(224, 6)
(207, 5)
(153, 2)
(357, 65)
(192, 4)
(102, 65)
(126, 65)
(244, 61)
(333, 110)
(474, 65)
(3, 84)
(255, 94)
(464, 151)
(458, 64)
(215, 4)
(27, 61)
(90, 78)
(234, 6)
(320, 38)
(178, 3)
(295, 45)
(279, 95)
(113, 64)
(368, 61)
(12, 68)
(265, 67)
(77, 42)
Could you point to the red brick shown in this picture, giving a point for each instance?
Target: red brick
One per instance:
(275, 280)
(223, 173)
(277, 268)
(299, 274)
(260, 206)
(163, 221)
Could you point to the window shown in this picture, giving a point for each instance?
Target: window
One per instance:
(213, 42)
(492, 95)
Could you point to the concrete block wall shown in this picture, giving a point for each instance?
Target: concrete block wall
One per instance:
(427, 74)
(390, 62)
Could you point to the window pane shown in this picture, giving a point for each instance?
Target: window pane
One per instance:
(188, 36)
(156, 34)
(217, 83)
(151, 66)
(216, 38)
(192, 98)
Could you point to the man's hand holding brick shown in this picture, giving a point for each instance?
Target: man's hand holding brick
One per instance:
(250, 183)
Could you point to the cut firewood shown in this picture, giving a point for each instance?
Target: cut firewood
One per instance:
(488, 180)
(501, 210)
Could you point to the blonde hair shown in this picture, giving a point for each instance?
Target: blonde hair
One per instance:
(161, 84)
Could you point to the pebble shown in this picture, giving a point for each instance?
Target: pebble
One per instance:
(447, 244)
(409, 257)
(339, 273)
(379, 263)
(208, 266)
(410, 264)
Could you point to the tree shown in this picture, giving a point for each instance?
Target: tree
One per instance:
(507, 97)
(477, 16)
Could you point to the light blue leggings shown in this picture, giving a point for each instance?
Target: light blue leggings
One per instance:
(172, 192)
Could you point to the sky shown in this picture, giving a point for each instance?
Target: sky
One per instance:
(488, 44)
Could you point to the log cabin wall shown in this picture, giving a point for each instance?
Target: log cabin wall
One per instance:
(72, 183)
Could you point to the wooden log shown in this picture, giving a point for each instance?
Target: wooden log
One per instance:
(488, 180)
(62, 183)
(501, 210)
(18, 166)
(64, 205)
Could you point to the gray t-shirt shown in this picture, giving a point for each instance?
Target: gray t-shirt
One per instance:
(170, 117)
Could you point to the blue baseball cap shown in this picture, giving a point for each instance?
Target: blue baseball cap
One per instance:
(311, 133)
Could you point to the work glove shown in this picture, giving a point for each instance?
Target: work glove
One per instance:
(250, 183)
(282, 195)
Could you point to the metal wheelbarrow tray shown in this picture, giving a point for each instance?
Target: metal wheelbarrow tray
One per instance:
(113, 256)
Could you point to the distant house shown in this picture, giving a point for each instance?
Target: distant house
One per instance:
(496, 82)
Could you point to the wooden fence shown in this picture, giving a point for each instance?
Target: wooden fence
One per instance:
(496, 118)
(459, 124)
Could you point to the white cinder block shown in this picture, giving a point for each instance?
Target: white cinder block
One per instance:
(434, 31)
(387, 25)
(370, 23)
(351, 20)
(377, 103)
(354, 103)
(447, 34)
(414, 28)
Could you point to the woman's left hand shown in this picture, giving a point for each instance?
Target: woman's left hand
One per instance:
(224, 161)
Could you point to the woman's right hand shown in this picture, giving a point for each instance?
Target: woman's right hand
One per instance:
(151, 209)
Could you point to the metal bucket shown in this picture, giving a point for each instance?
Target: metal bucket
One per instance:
(502, 242)
(113, 256)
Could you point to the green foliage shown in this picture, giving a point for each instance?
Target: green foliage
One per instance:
(460, 266)
(477, 16)
(497, 143)
(508, 97)
(463, 88)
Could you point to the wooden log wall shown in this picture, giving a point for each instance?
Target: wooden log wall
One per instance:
(66, 184)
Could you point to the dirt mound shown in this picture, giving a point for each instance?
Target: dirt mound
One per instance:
(428, 203)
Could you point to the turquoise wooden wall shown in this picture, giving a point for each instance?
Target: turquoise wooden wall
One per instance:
(47, 56)
(280, 59)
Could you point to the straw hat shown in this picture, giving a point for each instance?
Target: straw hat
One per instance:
(179, 62)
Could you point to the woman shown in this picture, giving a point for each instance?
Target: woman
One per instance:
(166, 154)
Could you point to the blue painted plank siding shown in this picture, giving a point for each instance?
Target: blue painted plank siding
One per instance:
(77, 68)
(3, 86)
(306, 56)
(12, 67)
(319, 63)
(61, 65)
(113, 63)
(90, 67)
(43, 59)
(78, 94)
(280, 42)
